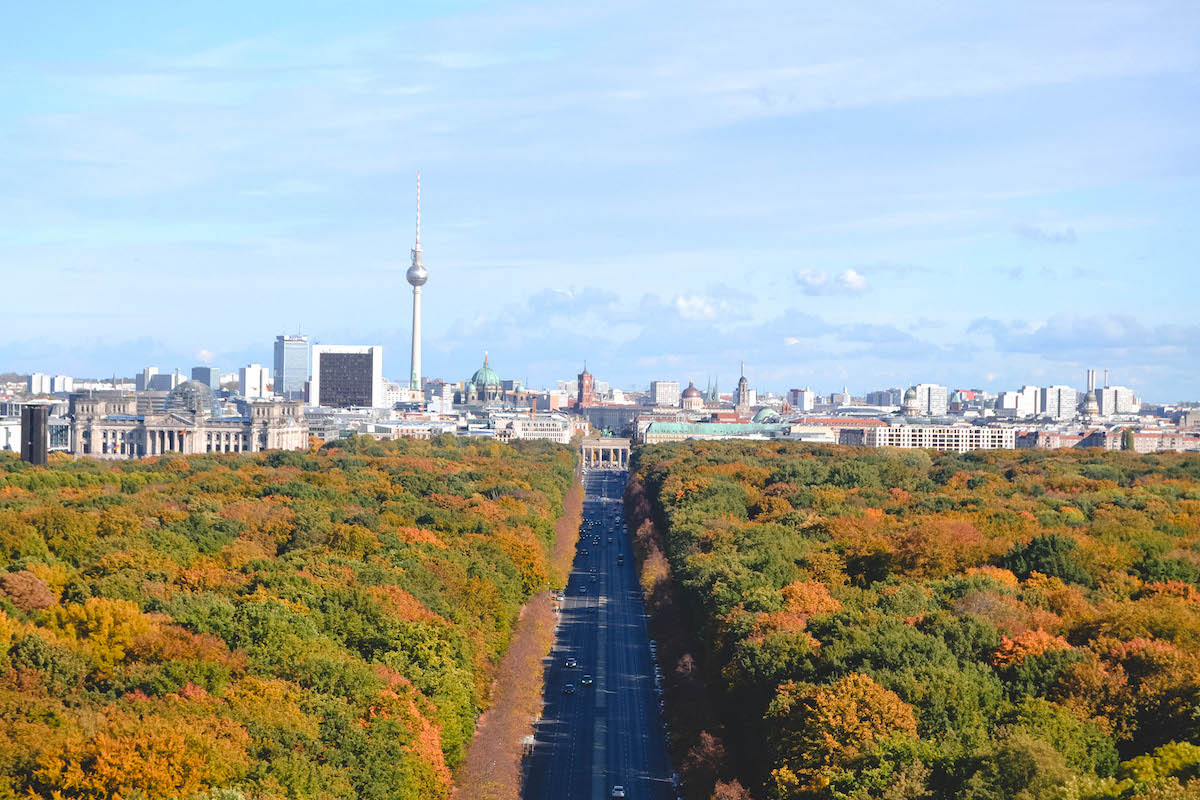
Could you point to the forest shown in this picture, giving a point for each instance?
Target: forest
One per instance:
(284, 625)
(850, 623)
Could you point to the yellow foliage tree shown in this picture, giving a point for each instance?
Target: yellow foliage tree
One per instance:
(109, 627)
(820, 728)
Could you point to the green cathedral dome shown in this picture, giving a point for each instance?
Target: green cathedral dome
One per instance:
(485, 376)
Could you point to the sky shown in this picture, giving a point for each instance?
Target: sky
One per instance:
(859, 194)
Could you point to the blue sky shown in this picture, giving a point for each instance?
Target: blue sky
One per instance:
(858, 193)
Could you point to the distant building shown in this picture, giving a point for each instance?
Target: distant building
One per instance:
(347, 376)
(108, 425)
(741, 396)
(931, 399)
(254, 381)
(1113, 400)
(802, 399)
(1058, 402)
(664, 393)
(958, 438)
(541, 427)
(885, 397)
(163, 381)
(586, 391)
(142, 381)
(62, 384)
(692, 399)
(1023, 403)
(39, 383)
(291, 366)
(209, 376)
(484, 386)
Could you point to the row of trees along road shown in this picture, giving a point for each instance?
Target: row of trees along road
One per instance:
(912, 625)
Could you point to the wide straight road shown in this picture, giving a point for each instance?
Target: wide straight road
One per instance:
(608, 733)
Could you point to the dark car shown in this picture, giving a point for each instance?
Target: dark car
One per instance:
(568, 688)
(572, 663)
(586, 680)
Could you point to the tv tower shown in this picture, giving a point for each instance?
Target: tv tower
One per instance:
(417, 276)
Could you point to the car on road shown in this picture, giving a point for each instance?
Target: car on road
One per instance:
(593, 578)
(571, 663)
(568, 688)
(583, 590)
(586, 680)
(618, 793)
(610, 540)
(620, 561)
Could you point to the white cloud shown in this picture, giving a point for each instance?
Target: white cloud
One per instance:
(697, 307)
(205, 356)
(816, 282)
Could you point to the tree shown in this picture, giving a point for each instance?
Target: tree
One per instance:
(817, 728)
(1050, 554)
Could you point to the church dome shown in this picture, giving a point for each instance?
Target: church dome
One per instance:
(957, 397)
(195, 397)
(691, 391)
(910, 393)
(485, 376)
(766, 415)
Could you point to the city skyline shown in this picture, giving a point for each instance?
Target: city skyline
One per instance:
(837, 197)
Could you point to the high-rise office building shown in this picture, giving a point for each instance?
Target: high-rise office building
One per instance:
(254, 380)
(347, 376)
(209, 376)
(291, 366)
(664, 393)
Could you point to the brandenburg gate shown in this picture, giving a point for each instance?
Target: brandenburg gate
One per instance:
(604, 453)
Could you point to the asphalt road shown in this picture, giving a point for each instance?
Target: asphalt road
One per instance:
(609, 733)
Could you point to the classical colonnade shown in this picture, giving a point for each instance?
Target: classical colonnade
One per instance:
(604, 453)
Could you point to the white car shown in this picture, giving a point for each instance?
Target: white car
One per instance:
(618, 792)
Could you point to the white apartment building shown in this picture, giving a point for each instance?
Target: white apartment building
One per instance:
(959, 438)
(1059, 402)
(39, 383)
(62, 384)
(1117, 400)
(1023, 403)
(254, 381)
(931, 399)
(664, 393)
(802, 399)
